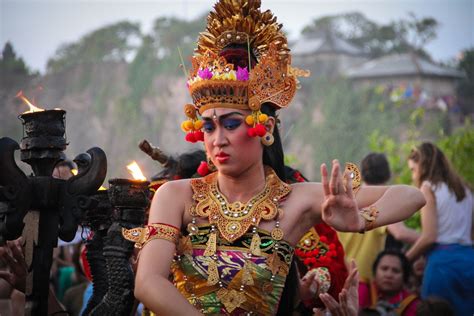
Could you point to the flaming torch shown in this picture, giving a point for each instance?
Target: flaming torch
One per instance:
(43, 137)
(39, 207)
(136, 172)
(130, 199)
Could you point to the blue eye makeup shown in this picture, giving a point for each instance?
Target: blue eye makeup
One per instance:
(231, 123)
(208, 126)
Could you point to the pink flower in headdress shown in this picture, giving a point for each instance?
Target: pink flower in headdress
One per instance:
(205, 73)
(242, 74)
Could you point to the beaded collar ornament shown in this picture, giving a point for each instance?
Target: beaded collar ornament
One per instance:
(234, 219)
(242, 61)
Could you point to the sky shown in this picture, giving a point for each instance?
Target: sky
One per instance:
(36, 28)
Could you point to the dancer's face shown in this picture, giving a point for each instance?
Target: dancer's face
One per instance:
(389, 275)
(227, 142)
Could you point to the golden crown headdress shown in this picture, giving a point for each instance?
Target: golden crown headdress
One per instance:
(264, 73)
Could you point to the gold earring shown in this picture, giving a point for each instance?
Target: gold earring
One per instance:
(267, 139)
(210, 164)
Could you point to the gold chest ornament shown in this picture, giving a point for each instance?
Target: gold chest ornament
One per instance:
(233, 220)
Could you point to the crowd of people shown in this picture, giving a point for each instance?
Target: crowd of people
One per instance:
(251, 236)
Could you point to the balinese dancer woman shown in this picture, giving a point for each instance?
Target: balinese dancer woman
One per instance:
(228, 238)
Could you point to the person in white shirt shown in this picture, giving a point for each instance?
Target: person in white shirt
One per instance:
(446, 221)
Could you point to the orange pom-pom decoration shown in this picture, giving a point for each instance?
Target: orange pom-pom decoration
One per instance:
(262, 118)
(249, 120)
(188, 125)
(198, 125)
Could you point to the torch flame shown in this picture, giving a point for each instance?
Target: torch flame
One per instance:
(136, 171)
(32, 107)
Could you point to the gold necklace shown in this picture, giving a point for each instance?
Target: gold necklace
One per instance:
(233, 220)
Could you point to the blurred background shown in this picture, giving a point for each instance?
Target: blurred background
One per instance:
(386, 75)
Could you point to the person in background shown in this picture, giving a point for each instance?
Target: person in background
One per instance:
(5, 293)
(12, 255)
(434, 306)
(363, 248)
(64, 169)
(446, 221)
(387, 293)
(416, 277)
(73, 296)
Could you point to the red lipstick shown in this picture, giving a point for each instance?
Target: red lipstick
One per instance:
(222, 157)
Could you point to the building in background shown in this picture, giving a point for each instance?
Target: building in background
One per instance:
(326, 56)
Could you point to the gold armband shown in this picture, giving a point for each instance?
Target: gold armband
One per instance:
(142, 235)
(354, 175)
(369, 214)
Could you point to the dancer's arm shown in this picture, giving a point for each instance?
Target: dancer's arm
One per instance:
(152, 287)
(340, 208)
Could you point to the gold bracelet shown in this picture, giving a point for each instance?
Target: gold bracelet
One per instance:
(369, 214)
(142, 235)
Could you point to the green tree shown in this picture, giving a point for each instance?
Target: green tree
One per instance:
(171, 33)
(404, 35)
(141, 72)
(459, 149)
(10, 63)
(465, 89)
(110, 43)
(345, 120)
(418, 32)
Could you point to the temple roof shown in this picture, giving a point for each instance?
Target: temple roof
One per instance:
(314, 45)
(401, 65)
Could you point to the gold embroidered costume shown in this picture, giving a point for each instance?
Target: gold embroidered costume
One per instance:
(229, 270)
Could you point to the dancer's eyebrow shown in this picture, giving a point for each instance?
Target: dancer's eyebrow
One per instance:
(221, 117)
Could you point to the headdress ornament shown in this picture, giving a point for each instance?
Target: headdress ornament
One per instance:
(242, 61)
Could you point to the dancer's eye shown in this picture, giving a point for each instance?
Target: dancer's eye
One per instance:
(208, 126)
(231, 123)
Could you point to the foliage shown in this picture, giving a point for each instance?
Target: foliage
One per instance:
(417, 32)
(11, 64)
(337, 124)
(169, 34)
(142, 70)
(465, 89)
(467, 63)
(459, 148)
(112, 42)
(404, 35)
